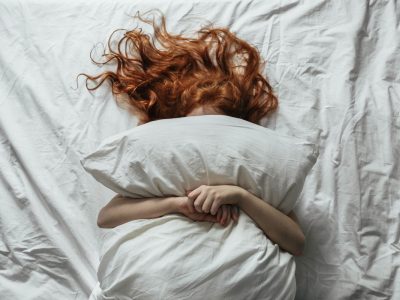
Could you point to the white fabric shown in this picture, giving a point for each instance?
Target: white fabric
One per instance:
(335, 68)
(198, 261)
(172, 156)
(173, 257)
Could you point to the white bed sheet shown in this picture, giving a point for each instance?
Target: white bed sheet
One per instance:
(334, 66)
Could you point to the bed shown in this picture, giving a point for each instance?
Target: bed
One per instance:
(334, 66)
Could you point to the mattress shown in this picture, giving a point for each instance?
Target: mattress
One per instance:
(334, 66)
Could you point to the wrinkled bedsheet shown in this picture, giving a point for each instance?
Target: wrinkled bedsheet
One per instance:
(335, 68)
(172, 258)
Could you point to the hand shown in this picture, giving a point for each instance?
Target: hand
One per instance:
(184, 207)
(226, 213)
(209, 198)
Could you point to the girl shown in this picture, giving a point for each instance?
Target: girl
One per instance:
(171, 76)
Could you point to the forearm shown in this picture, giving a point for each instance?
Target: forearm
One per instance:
(277, 226)
(121, 210)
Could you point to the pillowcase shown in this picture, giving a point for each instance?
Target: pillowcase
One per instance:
(170, 156)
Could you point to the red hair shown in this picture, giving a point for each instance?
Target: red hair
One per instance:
(216, 69)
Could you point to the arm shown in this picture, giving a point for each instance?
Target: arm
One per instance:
(280, 228)
(124, 209)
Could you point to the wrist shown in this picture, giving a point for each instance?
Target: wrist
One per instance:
(242, 195)
(174, 204)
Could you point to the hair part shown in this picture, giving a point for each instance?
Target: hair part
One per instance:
(167, 76)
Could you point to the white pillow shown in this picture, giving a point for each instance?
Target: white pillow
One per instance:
(170, 156)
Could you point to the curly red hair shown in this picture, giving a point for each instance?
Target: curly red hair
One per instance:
(216, 69)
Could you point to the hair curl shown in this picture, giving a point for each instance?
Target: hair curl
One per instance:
(216, 69)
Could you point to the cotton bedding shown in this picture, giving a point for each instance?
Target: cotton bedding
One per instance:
(176, 258)
(169, 157)
(334, 66)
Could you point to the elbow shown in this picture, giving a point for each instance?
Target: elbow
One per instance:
(102, 220)
(299, 249)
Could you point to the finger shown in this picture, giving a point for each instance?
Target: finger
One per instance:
(215, 207)
(207, 204)
(229, 216)
(194, 193)
(232, 209)
(235, 213)
(224, 214)
(198, 203)
(219, 214)
(188, 192)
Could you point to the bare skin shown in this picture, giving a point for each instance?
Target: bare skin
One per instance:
(219, 204)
